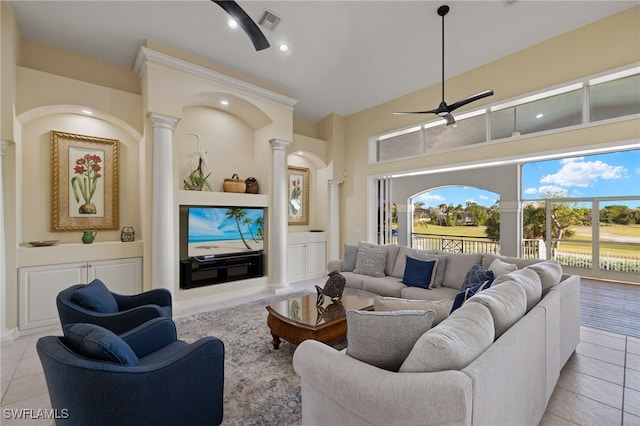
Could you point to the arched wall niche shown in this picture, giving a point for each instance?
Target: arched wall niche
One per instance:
(319, 175)
(33, 181)
(243, 109)
(229, 142)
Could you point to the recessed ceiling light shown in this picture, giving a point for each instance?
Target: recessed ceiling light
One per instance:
(232, 24)
(86, 111)
(284, 48)
(540, 115)
(224, 102)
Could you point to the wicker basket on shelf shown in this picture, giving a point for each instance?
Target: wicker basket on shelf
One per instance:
(234, 184)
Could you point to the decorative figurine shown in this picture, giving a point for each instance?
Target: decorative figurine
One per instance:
(332, 288)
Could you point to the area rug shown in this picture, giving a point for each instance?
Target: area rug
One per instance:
(261, 387)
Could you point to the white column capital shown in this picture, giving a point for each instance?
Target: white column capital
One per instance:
(162, 120)
(333, 183)
(279, 144)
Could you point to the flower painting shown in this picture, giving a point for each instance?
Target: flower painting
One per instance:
(298, 195)
(84, 182)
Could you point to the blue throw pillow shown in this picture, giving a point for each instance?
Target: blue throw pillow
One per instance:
(98, 343)
(464, 295)
(418, 273)
(477, 275)
(97, 297)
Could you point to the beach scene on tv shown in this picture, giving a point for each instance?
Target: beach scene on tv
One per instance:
(224, 230)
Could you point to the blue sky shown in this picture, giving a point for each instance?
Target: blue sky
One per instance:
(613, 174)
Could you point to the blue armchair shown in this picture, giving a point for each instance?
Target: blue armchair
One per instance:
(93, 303)
(143, 377)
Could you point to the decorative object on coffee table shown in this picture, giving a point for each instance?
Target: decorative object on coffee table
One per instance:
(334, 285)
(333, 311)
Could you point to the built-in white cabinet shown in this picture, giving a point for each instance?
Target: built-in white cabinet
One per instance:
(306, 255)
(39, 286)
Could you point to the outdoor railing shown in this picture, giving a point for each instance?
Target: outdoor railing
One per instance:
(455, 243)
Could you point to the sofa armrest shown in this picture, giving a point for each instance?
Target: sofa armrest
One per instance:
(367, 394)
(334, 265)
(158, 296)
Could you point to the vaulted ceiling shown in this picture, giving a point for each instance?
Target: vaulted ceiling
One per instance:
(344, 56)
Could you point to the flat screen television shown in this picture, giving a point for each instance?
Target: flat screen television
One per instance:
(213, 231)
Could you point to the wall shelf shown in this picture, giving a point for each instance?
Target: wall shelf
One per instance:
(232, 199)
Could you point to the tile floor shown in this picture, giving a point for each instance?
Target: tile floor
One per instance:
(600, 385)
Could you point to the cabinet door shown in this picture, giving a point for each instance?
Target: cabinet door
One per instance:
(296, 262)
(316, 263)
(122, 276)
(38, 288)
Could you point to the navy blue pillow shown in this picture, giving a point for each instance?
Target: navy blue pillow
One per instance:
(464, 295)
(98, 343)
(477, 275)
(97, 297)
(418, 273)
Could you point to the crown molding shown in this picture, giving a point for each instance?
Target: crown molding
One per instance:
(147, 55)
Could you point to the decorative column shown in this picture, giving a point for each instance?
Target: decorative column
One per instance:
(278, 216)
(163, 256)
(334, 219)
(7, 336)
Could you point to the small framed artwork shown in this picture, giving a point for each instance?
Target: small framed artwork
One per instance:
(84, 182)
(298, 198)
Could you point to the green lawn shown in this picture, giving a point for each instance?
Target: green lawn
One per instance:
(467, 231)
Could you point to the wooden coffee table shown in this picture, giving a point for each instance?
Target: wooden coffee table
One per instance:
(298, 319)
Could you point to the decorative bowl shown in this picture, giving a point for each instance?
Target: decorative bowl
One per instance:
(46, 243)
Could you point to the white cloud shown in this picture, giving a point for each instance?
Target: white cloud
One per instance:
(575, 172)
(552, 190)
(430, 197)
(483, 197)
(531, 191)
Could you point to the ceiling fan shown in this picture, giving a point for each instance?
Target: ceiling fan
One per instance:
(245, 22)
(443, 109)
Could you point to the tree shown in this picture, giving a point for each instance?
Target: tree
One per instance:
(238, 214)
(493, 222)
(476, 213)
(248, 221)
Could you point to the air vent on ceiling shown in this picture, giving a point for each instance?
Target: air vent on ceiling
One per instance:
(509, 2)
(269, 20)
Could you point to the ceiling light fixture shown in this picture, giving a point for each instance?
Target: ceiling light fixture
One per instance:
(86, 111)
(232, 24)
(540, 115)
(224, 102)
(284, 48)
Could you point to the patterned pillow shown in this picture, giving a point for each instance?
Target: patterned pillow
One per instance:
(370, 262)
(477, 275)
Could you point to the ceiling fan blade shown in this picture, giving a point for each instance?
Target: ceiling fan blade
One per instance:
(245, 22)
(470, 99)
(431, 111)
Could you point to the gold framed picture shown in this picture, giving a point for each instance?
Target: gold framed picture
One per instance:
(298, 195)
(84, 182)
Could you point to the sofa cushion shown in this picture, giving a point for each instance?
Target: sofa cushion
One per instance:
(440, 307)
(401, 261)
(349, 258)
(354, 280)
(432, 294)
(98, 343)
(457, 267)
(528, 280)
(419, 273)
(384, 339)
(463, 295)
(550, 273)
(385, 286)
(97, 297)
(477, 275)
(454, 343)
(499, 267)
(370, 262)
(392, 254)
(507, 304)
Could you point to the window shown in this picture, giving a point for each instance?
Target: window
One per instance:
(616, 94)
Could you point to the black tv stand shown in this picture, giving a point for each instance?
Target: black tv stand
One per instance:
(208, 270)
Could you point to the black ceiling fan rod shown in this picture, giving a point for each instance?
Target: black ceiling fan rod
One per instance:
(442, 11)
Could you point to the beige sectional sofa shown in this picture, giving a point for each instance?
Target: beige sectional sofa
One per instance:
(494, 361)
